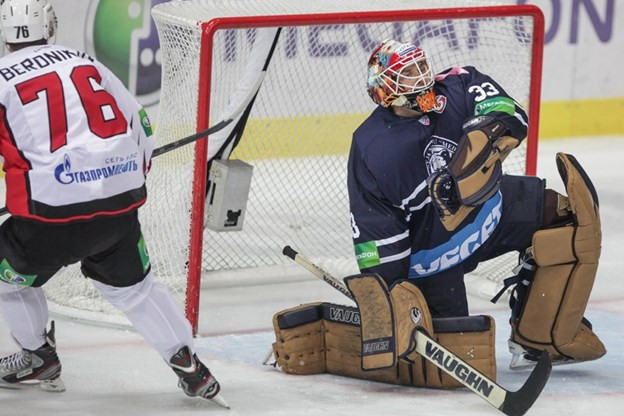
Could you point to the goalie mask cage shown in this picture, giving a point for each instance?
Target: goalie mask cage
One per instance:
(298, 131)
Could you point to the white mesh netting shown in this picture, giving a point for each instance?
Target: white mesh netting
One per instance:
(298, 133)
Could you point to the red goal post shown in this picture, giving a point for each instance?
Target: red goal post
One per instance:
(196, 67)
(221, 20)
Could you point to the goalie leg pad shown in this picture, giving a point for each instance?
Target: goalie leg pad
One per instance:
(299, 347)
(551, 316)
(471, 338)
(343, 346)
(322, 337)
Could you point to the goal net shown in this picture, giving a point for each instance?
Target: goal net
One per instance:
(297, 133)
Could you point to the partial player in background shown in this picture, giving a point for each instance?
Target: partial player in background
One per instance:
(429, 201)
(76, 148)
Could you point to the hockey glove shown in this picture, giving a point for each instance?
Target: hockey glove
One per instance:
(474, 173)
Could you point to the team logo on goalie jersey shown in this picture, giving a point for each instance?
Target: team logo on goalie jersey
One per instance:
(440, 104)
(438, 153)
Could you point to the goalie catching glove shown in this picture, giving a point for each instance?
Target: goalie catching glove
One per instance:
(474, 173)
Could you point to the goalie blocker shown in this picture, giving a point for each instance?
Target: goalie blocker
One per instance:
(323, 337)
(474, 173)
(554, 285)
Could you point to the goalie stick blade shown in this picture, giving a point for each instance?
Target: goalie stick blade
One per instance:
(517, 403)
(509, 402)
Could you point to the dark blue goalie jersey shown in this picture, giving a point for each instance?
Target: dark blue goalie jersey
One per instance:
(397, 231)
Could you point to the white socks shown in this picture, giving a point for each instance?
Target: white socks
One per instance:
(154, 314)
(26, 313)
(148, 305)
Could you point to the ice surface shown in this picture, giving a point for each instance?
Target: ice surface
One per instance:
(111, 371)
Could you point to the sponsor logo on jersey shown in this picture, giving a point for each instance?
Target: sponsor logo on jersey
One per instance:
(144, 254)
(424, 120)
(115, 166)
(461, 245)
(367, 254)
(500, 104)
(9, 275)
(145, 123)
(438, 153)
(132, 49)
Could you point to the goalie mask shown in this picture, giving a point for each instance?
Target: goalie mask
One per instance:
(24, 21)
(400, 74)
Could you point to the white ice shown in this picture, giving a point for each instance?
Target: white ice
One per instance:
(111, 371)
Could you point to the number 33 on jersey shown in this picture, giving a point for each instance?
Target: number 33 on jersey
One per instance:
(76, 144)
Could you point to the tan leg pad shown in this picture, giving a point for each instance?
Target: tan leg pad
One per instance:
(584, 206)
(297, 346)
(476, 346)
(343, 345)
(567, 259)
(299, 343)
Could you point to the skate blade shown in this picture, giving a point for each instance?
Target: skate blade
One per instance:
(52, 386)
(518, 357)
(268, 357)
(519, 360)
(522, 363)
(219, 401)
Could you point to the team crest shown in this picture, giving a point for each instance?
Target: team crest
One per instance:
(438, 153)
(440, 104)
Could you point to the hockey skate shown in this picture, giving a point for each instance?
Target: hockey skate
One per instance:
(195, 378)
(38, 368)
(522, 357)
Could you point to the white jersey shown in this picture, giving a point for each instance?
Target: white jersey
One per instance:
(76, 144)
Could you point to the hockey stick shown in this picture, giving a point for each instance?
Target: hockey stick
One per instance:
(512, 403)
(217, 127)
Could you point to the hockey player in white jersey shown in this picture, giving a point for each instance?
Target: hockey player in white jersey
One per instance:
(76, 148)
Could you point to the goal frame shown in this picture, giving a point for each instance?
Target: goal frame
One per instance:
(209, 29)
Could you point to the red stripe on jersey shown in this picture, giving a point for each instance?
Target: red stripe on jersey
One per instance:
(16, 168)
(85, 217)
